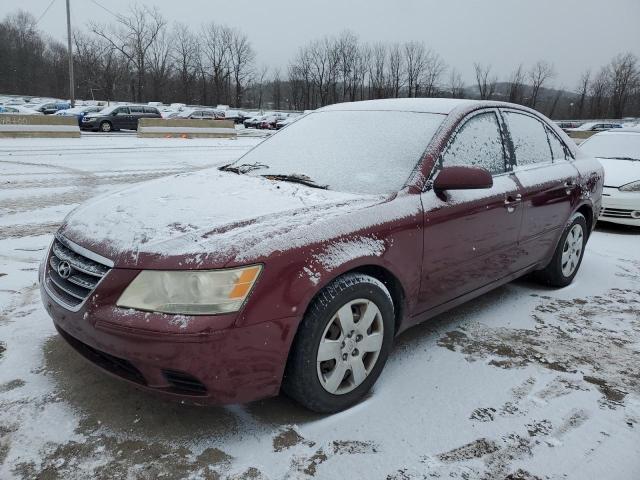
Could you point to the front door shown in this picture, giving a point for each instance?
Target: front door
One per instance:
(547, 178)
(471, 236)
(121, 118)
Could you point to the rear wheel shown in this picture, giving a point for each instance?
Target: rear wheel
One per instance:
(341, 345)
(106, 127)
(568, 255)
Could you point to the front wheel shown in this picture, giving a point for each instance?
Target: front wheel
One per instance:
(341, 345)
(568, 255)
(105, 127)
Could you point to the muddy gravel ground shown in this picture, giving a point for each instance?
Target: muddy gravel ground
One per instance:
(524, 383)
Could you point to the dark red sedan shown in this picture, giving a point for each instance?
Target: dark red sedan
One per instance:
(295, 267)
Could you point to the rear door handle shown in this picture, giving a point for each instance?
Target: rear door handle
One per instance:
(512, 202)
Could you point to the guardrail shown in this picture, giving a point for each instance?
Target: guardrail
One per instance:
(185, 128)
(38, 126)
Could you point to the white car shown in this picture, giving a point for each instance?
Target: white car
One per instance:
(595, 127)
(17, 110)
(619, 152)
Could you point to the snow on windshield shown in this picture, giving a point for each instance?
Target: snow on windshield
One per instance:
(351, 151)
(613, 145)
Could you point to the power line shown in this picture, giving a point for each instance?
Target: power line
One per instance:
(115, 15)
(45, 11)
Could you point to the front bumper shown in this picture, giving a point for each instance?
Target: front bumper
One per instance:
(91, 124)
(620, 207)
(227, 365)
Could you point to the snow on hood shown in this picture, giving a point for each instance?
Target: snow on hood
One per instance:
(207, 215)
(620, 172)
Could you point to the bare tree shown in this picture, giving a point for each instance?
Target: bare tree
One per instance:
(396, 66)
(456, 85)
(486, 84)
(242, 57)
(623, 77)
(160, 64)
(347, 49)
(538, 75)
(433, 70)
(133, 36)
(184, 54)
(516, 87)
(377, 71)
(415, 64)
(599, 90)
(583, 89)
(217, 54)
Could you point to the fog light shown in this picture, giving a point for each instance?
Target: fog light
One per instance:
(635, 214)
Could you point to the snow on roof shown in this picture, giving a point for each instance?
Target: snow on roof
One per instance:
(442, 106)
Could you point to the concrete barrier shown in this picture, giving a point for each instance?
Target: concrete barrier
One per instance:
(38, 126)
(581, 135)
(185, 128)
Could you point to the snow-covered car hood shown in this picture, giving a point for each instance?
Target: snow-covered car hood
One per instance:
(204, 219)
(620, 172)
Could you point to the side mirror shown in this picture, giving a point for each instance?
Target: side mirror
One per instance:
(462, 178)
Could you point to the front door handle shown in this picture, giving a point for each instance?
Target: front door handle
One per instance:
(512, 202)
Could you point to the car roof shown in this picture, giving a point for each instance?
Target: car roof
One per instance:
(442, 106)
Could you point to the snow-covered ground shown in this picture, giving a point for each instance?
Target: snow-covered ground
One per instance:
(523, 383)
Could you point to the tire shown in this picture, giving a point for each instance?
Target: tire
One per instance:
(106, 127)
(358, 355)
(568, 256)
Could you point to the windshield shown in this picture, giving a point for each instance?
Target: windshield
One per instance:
(619, 145)
(366, 152)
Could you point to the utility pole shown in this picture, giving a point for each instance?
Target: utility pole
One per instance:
(72, 93)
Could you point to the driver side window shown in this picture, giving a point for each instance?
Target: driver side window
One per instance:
(479, 144)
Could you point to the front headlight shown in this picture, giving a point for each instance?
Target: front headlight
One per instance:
(631, 187)
(190, 292)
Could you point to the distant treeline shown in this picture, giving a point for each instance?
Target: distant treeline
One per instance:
(139, 57)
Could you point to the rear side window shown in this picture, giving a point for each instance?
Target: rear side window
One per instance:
(478, 143)
(529, 137)
(558, 149)
(151, 110)
(136, 109)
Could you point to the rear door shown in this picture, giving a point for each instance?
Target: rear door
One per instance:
(548, 179)
(470, 236)
(136, 114)
(121, 117)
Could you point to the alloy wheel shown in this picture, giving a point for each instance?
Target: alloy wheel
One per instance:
(350, 346)
(572, 250)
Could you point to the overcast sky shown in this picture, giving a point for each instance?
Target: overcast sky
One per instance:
(572, 34)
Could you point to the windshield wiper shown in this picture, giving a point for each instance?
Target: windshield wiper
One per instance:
(296, 178)
(243, 168)
(621, 158)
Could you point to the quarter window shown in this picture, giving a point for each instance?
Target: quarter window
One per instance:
(529, 138)
(478, 143)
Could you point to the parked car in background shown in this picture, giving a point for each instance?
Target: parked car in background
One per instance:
(619, 153)
(118, 117)
(18, 110)
(287, 121)
(79, 112)
(295, 267)
(568, 125)
(200, 114)
(595, 127)
(253, 122)
(238, 116)
(49, 108)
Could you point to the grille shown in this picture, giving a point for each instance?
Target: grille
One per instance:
(184, 383)
(617, 213)
(115, 365)
(70, 276)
